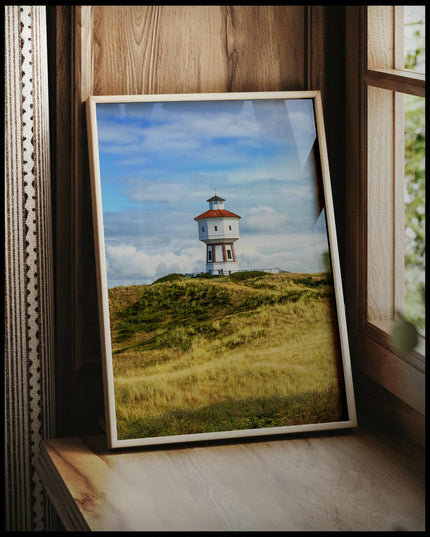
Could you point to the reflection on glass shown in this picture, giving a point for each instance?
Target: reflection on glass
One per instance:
(415, 210)
(414, 38)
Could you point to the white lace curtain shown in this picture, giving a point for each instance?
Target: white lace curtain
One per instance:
(29, 320)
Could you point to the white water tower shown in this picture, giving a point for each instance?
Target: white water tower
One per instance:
(219, 229)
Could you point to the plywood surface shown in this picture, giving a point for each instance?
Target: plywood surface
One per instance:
(331, 482)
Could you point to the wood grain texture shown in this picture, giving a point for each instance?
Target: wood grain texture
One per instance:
(316, 39)
(195, 49)
(331, 66)
(325, 483)
(382, 413)
(356, 200)
(380, 203)
(380, 37)
(396, 80)
(86, 342)
(59, 28)
(395, 374)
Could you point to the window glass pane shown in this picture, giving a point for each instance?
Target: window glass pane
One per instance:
(414, 307)
(414, 38)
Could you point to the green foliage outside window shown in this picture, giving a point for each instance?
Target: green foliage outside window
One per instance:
(415, 188)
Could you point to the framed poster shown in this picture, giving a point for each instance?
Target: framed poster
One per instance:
(221, 306)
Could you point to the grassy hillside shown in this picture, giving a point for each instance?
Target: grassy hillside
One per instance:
(203, 354)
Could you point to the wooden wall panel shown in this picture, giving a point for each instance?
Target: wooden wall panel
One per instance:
(111, 50)
(189, 49)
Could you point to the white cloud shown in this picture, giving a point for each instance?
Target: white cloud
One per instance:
(126, 264)
(263, 219)
(298, 252)
(140, 190)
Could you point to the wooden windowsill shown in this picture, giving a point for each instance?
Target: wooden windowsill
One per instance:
(417, 357)
(343, 481)
(402, 376)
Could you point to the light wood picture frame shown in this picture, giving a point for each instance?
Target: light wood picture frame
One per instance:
(220, 296)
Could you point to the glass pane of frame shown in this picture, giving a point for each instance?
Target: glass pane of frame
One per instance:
(202, 347)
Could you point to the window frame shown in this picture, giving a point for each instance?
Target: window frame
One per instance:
(371, 349)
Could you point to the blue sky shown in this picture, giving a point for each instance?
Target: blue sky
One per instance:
(160, 162)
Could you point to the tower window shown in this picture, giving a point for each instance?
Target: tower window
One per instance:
(229, 227)
(216, 228)
(203, 228)
(229, 254)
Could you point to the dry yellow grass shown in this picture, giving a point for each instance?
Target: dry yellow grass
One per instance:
(279, 350)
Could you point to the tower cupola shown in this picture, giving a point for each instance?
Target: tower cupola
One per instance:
(216, 203)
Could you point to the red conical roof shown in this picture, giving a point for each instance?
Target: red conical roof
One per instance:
(217, 213)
